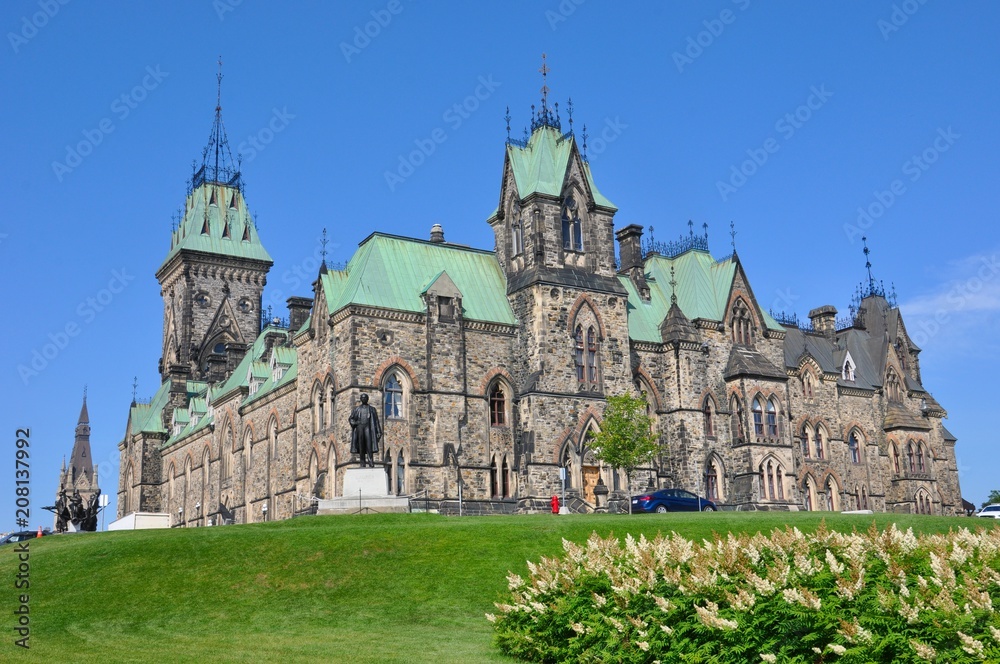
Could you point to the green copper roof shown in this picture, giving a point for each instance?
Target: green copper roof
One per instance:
(390, 272)
(221, 211)
(254, 354)
(146, 417)
(541, 166)
(703, 287)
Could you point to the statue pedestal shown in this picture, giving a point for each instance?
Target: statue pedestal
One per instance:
(365, 490)
(365, 482)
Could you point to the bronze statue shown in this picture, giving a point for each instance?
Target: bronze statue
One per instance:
(365, 432)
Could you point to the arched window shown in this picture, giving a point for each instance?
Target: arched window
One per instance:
(854, 448)
(226, 448)
(736, 426)
(895, 458)
(516, 230)
(909, 454)
(580, 350)
(494, 479)
(498, 406)
(711, 482)
(591, 355)
(393, 397)
(505, 479)
(807, 437)
(864, 498)
(272, 437)
(893, 390)
(920, 457)
(171, 472)
(566, 461)
(820, 447)
(758, 417)
(572, 230)
(320, 410)
(772, 419)
(742, 324)
(810, 494)
(400, 474)
(708, 416)
(770, 480)
(832, 495)
(127, 497)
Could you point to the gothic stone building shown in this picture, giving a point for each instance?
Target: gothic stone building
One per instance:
(490, 368)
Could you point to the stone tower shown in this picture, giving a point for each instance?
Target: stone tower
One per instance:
(81, 474)
(213, 276)
(554, 235)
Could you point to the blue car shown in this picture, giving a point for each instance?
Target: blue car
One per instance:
(671, 500)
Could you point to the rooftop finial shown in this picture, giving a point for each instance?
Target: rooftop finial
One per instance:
(732, 234)
(506, 117)
(868, 263)
(323, 250)
(690, 228)
(704, 227)
(85, 392)
(135, 388)
(673, 287)
(585, 143)
(569, 112)
(545, 88)
(217, 161)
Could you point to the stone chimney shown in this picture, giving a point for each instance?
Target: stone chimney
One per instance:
(437, 233)
(630, 252)
(298, 312)
(179, 375)
(824, 319)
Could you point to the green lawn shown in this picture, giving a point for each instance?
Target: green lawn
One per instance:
(378, 588)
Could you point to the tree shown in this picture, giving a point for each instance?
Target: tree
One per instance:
(626, 440)
(994, 497)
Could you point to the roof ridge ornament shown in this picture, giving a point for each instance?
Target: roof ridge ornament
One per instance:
(872, 287)
(217, 164)
(673, 287)
(545, 116)
(732, 235)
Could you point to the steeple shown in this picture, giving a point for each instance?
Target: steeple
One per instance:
(217, 164)
(80, 462)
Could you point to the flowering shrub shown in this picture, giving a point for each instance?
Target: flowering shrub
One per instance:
(877, 596)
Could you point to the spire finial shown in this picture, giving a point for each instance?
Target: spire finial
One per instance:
(218, 92)
(506, 117)
(323, 251)
(732, 234)
(135, 387)
(545, 88)
(84, 393)
(868, 263)
(673, 287)
(585, 143)
(690, 228)
(704, 227)
(569, 111)
(217, 161)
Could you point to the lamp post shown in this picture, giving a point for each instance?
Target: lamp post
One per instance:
(263, 510)
(180, 516)
(197, 510)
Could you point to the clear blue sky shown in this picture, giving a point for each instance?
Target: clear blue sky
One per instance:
(684, 93)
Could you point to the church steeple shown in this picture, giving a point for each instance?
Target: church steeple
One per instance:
(80, 461)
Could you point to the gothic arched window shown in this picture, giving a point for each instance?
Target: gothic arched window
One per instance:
(393, 397)
(516, 230)
(806, 440)
(580, 368)
(820, 447)
(591, 355)
(498, 406)
(909, 454)
(893, 390)
(758, 417)
(711, 482)
(920, 457)
(708, 412)
(572, 230)
(895, 458)
(736, 410)
(852, 445)
(742, 324)
(772, 419)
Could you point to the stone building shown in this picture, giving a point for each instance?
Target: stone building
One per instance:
(80, 476)
(490, 367)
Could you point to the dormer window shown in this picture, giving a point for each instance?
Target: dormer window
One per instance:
(572, 229)
(212, 200)
(232, 202)
(847, 372)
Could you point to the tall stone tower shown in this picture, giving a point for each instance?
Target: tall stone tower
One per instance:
(554, 235)
(81, 474)
(213, 276)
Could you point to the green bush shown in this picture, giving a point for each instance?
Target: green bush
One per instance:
(877, 596)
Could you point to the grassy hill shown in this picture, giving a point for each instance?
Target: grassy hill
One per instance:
(378, 588)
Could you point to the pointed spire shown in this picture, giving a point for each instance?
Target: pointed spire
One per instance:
(217, 163)
(84, 415)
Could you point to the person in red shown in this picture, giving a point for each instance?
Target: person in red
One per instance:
(555, 504)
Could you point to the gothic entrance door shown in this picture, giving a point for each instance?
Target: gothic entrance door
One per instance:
(590, 474)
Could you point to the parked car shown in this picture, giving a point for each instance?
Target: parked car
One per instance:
(990, 511)
(671, 500)
(21, 536)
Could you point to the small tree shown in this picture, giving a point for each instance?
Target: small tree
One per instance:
(994, 497)
(626, 440)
